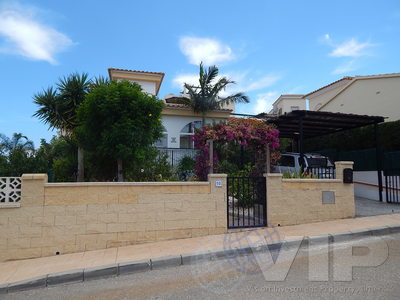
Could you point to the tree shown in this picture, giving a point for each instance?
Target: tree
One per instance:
(16, 155)
(17, 142)
(119, 122)
(205, 97)
(58, 107)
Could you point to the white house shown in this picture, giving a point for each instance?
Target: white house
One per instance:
(377, 95)
(287, 103)
(179, 121)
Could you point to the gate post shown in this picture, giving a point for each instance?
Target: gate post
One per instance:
(218, 187)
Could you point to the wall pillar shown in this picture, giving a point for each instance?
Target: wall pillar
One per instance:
(32, 189)
(218, 186)
(340, 166)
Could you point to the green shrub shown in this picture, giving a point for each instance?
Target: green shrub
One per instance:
(185, 168)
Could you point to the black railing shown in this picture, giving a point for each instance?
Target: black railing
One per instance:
(175, 155)
(246, 200)
(392, 184)
(321, 172)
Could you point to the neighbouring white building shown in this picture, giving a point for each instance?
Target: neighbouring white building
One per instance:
(287, 103)
(375, 95)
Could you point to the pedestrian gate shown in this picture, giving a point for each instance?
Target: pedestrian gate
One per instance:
(246, 200)
(392, 183)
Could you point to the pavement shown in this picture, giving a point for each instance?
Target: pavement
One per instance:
(235, 278)
(366, 207)
(78, 267)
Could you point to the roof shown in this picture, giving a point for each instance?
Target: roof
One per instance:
(136, 71)
(328, 85)
(156, 77)
(185, 107)
(317, 123)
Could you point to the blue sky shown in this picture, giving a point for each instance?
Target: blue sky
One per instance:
(268, 47)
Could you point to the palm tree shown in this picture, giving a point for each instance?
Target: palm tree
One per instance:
(205, 97)
(18, 141)
(58, 108)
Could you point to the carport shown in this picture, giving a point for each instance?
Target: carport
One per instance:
(300, 125)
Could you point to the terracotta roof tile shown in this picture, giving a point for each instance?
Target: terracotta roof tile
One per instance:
(126, 70)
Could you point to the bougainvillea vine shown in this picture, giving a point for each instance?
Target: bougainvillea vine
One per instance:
(245, 132)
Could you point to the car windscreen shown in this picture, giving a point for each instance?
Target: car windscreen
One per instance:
(317, 162)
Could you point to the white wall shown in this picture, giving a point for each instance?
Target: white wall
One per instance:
(366, 185)
(286, 103)
(374, 96)
(174, 125)
(148, 87)
(317, 100)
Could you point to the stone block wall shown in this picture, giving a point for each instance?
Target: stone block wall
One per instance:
(74, 217)
(299, 201)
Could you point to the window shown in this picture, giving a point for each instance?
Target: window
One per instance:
(186, 136)
(190, 127)
(293, 108)
(286, 161)
(162, 142)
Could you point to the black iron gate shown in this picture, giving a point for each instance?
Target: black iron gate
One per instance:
(392, 183)
(246, 200)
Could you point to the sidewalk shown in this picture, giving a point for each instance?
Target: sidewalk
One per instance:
(15, 271)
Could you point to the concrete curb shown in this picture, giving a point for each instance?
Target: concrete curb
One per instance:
(132, 267)
(100, 272)
(72, 276)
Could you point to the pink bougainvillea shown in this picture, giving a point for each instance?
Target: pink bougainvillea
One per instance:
(246, 132)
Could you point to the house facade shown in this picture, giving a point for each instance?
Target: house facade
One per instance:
(287, 103)
(179, 121)
(377, 95)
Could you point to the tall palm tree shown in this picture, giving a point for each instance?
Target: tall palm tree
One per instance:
(58, 107)
(205, 97)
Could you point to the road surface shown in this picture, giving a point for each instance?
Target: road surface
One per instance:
(240, 278)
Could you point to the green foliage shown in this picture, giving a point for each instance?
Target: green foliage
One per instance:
(118, 122)
(298, 174)
(185, 168)
(151, 167)
(204, 96)
(17, 155)
(244, 199)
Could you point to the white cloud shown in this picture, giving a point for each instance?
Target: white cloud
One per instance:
(206, 50)
(25, 35)
(345, 68)
(242, 83)
(179, 80)
(261, 83)
(351, 48)
(264, 102)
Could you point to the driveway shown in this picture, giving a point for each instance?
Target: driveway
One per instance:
(366, 207)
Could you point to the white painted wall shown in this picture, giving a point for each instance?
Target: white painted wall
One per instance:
(366, 185)
(174, 125)
(286, 104)
(373, 96)
(148, 87)
(319, 99)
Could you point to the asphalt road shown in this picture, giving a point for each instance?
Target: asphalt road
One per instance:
(242, 278)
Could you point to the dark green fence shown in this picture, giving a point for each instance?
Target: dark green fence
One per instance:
(364, 160)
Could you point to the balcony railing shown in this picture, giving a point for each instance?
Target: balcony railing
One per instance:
(175, 155)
